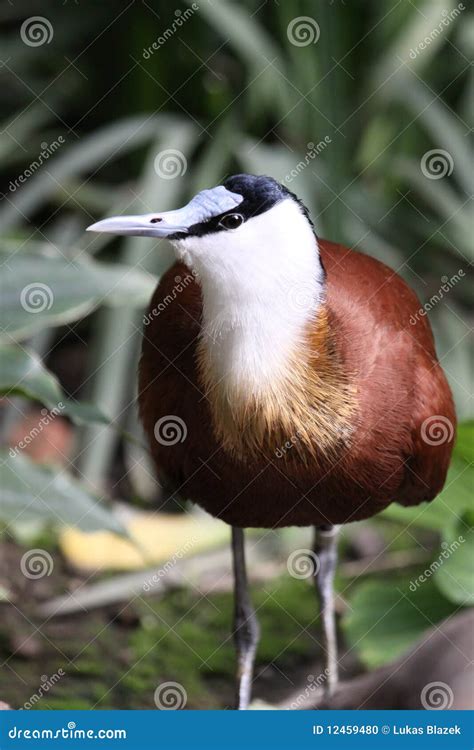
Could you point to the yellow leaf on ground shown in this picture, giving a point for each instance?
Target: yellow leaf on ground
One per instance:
(154, 538)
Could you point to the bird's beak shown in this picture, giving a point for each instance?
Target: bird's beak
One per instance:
(201, 208)
(147, 225)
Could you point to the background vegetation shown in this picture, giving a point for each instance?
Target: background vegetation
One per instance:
(347, 121)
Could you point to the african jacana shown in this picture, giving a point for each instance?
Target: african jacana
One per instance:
(304, 392)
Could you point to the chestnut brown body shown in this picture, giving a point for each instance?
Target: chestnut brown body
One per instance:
(401, 431)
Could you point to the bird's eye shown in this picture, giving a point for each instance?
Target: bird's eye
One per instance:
(231, 221)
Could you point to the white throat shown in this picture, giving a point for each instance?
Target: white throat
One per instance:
(261, 284)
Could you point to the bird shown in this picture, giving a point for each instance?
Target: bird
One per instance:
(285, 380)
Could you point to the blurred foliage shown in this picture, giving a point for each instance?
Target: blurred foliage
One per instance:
(382, 621)
(230, 92)
(386, 620)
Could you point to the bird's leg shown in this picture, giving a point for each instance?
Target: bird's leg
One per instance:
(325, 549)
(246, 628)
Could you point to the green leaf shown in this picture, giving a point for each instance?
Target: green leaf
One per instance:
(451, 207)
(451, 334)
(445, 510)
(384, 621)
(419, 25)
(23, 374)
(255, 47)
(76, 158)
(443, 126)
(455, 577)
(27, 122)
(30, 491)
(464, 447)
(39, 291)
(117, 332)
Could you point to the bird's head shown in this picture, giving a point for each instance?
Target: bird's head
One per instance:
(245, 222)
(251, 247)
